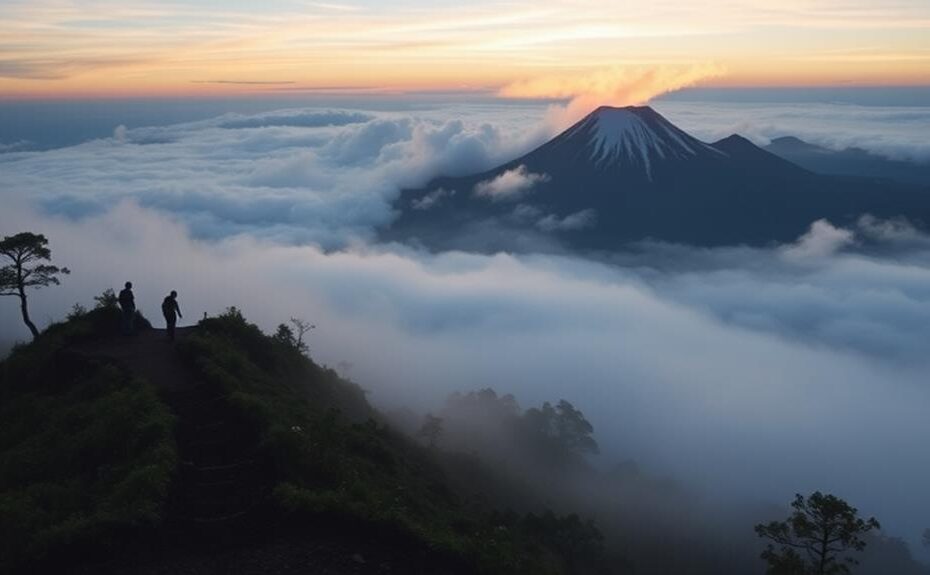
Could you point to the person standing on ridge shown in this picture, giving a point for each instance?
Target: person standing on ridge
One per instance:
(171, 311)
(127, 303)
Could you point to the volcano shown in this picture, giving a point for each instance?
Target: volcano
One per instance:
(623, 175)
(635, 139)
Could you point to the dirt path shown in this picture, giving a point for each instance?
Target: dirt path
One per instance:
(215, 522)
(148, 354)
(219, 477)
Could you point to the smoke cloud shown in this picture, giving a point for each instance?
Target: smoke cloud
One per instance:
(617, 86)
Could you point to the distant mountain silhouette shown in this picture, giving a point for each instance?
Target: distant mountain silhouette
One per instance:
(626, 174)
(849, 161)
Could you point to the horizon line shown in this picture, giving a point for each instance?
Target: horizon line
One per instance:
(370, 92)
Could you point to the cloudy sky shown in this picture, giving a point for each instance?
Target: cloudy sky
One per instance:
(93, 48)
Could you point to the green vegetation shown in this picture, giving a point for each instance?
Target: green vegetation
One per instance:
(91, 461)
(89, 455)
(86, 451)
(333, 461)
(431, 429)
(548, 439)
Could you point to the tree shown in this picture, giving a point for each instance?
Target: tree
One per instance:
(565, 425)
(26, 251)
(927, 537)
(431, 429)
(302, 327)
(286, 335)
(106, 300)
(817, 538)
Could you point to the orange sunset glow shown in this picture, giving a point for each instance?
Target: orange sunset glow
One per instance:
(59, 49)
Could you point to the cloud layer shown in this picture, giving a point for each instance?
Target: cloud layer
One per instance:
(510, 185)
(749, 373)
(299, 176)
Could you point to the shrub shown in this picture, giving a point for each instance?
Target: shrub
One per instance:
(82, 465)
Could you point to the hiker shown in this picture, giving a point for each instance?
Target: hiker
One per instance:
(127, 303)
(171, 311)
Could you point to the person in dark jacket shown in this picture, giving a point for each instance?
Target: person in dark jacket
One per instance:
(127, 304)
(171, 311)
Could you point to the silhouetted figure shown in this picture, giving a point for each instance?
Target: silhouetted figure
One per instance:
(127, 303)
(171, 311)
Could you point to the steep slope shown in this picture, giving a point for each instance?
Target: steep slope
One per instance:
(627, 174)
(229, 451)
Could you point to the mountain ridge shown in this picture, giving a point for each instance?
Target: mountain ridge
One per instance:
(850, 161)
(639, 177)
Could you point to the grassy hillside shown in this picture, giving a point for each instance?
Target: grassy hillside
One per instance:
(333, 461)
(98, 452)
(86, 450)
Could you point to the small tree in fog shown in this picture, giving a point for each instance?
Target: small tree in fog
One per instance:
(564, 424)
(301, 328)
(926, 538)
(285, 335)
(25, 252)
(294, 337)
(817, 538)
(431, 429)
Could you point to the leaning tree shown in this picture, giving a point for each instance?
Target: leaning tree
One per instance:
(26, 252)
(818, 538)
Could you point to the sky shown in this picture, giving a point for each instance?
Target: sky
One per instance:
(546, 48)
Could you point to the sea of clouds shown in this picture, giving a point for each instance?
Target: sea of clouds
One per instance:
(750, 374)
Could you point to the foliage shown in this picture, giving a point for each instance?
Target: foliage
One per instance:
(578, 542)
(485, 401)
(285, 335)
(554, 438)
(106, 300)
(565, 425)
(817, 538)
(332, 460)
(294, 337)
(77, 312)
(86, 453)
(431, 429)
(26, 251)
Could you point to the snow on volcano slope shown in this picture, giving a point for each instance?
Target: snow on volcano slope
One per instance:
(636, 135)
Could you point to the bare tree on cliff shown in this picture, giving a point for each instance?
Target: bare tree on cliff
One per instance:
(26, 251)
